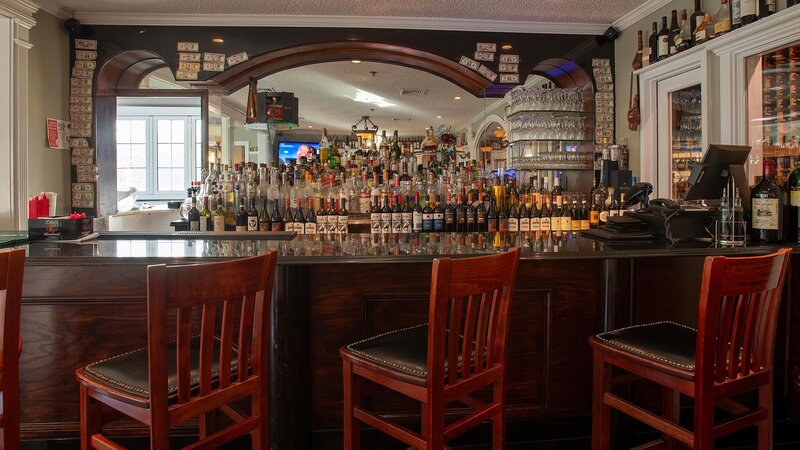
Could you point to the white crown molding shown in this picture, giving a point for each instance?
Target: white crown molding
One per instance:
(321, 21)
(55, 8)
(645, 9)
(20, 10)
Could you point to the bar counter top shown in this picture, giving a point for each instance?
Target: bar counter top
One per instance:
(364, 248)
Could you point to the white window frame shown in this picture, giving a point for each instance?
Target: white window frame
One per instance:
(151, 158)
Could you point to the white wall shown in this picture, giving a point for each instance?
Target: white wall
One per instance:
(48, 97)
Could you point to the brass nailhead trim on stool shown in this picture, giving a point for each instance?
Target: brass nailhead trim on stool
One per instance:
(641, 352)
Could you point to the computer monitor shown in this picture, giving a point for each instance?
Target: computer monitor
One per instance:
(710, 177)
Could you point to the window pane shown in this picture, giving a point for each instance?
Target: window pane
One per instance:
(138, 155)
(138, 131)
(164, 155)
(177, 155)
(128, 178)
(124, 155)
(164, 131)
(177, 180)
(178, 133)
(123, 131)
(164, 180)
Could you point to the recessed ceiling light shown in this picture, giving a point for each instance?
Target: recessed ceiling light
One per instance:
(438, 117)
(356, 61)
(506, 47)
(218, 40)
(456, 98)
(310, 126)
(499, 128)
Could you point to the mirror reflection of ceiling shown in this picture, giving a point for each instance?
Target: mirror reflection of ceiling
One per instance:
(576, 11)
(336, 95)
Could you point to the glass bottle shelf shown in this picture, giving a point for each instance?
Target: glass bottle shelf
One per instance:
(554, 112)
(550, 140)
(545, 166)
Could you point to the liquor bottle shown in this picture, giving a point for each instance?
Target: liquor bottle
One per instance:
(407, 216)
(288, 217)
(674, 33)
(736, 14)
(524, 218)
(461, 214)
(449, 215)
(603, 214)
(586, 222)
(219, 216)
(793, 186)
(749, 11)
(491, 218)
(311, 219)
(194, 215)
(695, 21)
(766, 8)
(684, 40)
(575, 213)
(622, 204)
(263, 218)
(416, 215)
(438, 216)
(397, 215)
(558, 193)
(536, 218)
(206, 223)
(342, 220)
(566, 217)
(722, 20)
(613, 208)
(653, 44)
(299, 220)
(276, 222)
(663, 40)
(637, 58)
(252, 216)
(386, 216)
(481, 216)
(322, 218)
(767, 208)
(555, 217)
(513, 218)
(545, 224)
(472, 225)
(241, 217)
(374, 216)
(395, 151)
(427, 218)
(333, 217)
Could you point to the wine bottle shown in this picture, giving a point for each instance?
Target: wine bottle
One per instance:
(299, 220)
(481, 216)
(407, 216)
(438, 216)
(416, 215)
(386, 216)
(585, 218)
(637, 58)
(545, 225)
(397, 215)
(536, 218)
(748, 11)
(663, 41)
(765, 8)
(566, 216)
(241, 218)
(333, 217)
(524, 218)
(684, 40)
(767, 208)
(575, 213)
(311, 219)
(674, 33)
(449, 215)
(461, 214)
(427, 218)
(793, 185)
(555, 217)
(219, 216)
(206, 224)
(470, 215)
(695, 22)
(374, 216)
(194, 215)
(288, 217)
(491, 218)
(653, 44)
(722, 20)
(342, 219)
(263, 218)
(513, 218)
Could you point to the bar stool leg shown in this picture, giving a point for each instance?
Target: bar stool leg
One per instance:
(704, 421)
(10, 414)
(672, 411)
(765, 426)
(91, 418)
(352, 432)
(499, 420)
(258, 407)
(433, 424)
(601, 413)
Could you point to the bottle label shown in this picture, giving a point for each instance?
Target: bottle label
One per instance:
(386, 222)
(594, 217)
(363, 204)
(513, 224)
(700, 35)
(794, 196)
(771, 6)
(663, 46)
(397, 222)
(492, 226)
(265, 226)
(219, 223)
(241, 228)
(311, 228)
(576, 225)
(194, 225)
(555, 223)
(438, 221)
(603, 216)
(765, 213)
(427, 222)
(375, 222)
(252, 223)
(525, 224)
(203, 223)
(300, 227)
(322, 225)
(566, 223)
(748, 8)
(585, 225)
(545, 224)
(536, 224)
(417, 221)
(722, 27)
(736, 12)
(407, 218)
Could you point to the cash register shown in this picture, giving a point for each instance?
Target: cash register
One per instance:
(707, 182)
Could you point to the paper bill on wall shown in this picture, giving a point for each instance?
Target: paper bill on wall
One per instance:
(188, 47)
(211, 66)
(509, 68)
(509, 78)
(237, 58)
(85, 44)
(469, 62)
(185, 75)
(486, 47)
(85, 65)
(486, 72)
(484, 56)
(214, 57)
(86, 54)
(511, 59)
(189, 57)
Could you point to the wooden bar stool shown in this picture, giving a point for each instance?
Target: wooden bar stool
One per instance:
(12, 267)
(199, 373)
(469, 309)
(730, 353)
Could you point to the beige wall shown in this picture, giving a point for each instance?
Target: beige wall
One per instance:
(48, 97)
(624, 50)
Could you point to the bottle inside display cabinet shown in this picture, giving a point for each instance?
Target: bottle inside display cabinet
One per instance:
(767, 208)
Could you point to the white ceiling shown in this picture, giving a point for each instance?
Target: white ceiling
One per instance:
(568, 11)
(328, 94)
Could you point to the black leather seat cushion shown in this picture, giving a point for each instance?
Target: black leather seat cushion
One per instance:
(128, 372)
(404, 350)
(665, 342)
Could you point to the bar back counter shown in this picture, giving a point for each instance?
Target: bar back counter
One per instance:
(83, 303)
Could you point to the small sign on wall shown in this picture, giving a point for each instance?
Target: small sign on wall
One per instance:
(58, 134)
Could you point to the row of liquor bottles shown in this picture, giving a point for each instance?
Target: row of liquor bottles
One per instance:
(398, 214)
(700, 27)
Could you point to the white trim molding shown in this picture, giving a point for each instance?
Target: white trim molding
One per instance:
(20, 10)
(55, 8)
(329, 21)
(644, 10)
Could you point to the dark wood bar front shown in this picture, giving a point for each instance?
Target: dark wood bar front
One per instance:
(85, 303)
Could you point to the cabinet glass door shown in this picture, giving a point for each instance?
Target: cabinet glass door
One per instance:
(681, 140)
(773, 110)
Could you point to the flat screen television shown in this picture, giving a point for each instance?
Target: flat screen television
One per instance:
(289, 149)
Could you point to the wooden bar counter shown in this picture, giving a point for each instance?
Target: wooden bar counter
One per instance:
(82, 303)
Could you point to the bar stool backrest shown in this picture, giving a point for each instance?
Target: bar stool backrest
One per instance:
(12, 267)
(739, 303)
(242, 289)
(469, 310)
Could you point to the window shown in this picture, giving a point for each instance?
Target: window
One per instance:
(154, 154)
